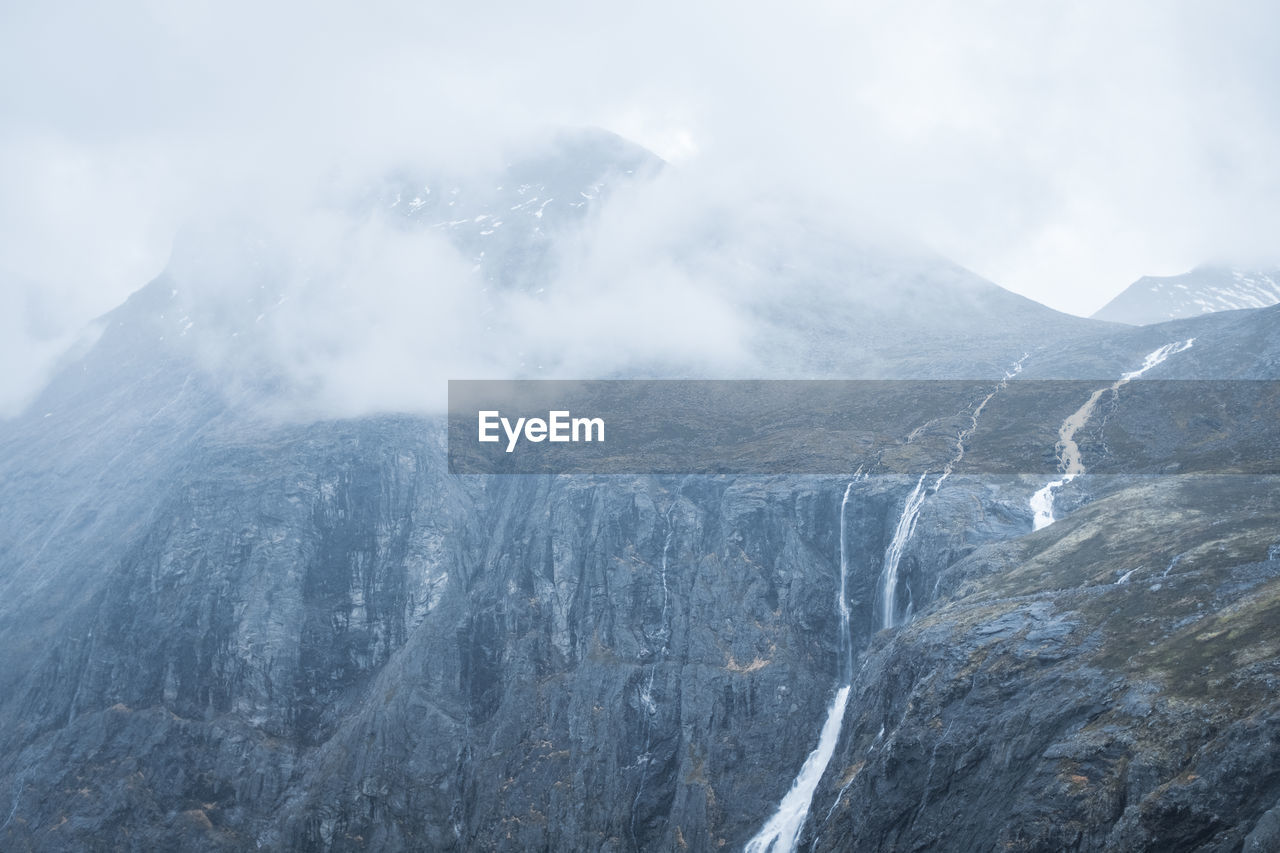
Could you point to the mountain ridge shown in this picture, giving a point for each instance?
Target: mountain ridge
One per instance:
(1203, 290)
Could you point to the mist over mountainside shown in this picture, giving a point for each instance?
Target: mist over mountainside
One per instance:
(244, 605)
(607, 265)
(1205, 289)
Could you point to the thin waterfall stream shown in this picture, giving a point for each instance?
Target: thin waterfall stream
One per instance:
(781, 832)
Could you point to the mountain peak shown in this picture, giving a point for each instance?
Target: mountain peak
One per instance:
(1203, 290)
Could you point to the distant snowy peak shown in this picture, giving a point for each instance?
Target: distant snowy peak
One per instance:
(1154, 299)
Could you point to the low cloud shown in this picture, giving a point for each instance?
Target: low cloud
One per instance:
(1060, 152)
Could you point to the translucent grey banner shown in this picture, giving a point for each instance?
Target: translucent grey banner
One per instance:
(835, 427)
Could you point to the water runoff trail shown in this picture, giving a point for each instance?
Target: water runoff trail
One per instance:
(779, 835)
(782, 831)
(1070, 462)
(887, 593)
(647, 702)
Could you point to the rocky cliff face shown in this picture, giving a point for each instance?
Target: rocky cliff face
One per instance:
(1109, 685)
(327, 643)
(220, 631)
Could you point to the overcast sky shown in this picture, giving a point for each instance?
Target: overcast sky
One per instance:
(1061, 150)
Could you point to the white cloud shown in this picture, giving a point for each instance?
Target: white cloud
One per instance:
(1059, 150)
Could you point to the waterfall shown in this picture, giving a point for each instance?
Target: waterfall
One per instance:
(846, 639)
(779, 835)
(646, 692)
(782, 831)
(906, 525)
(893, 554)
(1070, 461)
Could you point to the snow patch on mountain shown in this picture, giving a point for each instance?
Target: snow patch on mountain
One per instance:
(1203, 290)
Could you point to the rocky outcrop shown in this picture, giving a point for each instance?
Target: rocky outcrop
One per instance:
(1108, 686)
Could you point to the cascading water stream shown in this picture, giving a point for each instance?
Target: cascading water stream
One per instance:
(893, 554)
(1070, 461)
(781, 832)
(906, 525)
(647, 702)
(846, 638)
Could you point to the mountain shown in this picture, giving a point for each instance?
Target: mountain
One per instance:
(232, 621)
(1154, 299)
(1102, 687)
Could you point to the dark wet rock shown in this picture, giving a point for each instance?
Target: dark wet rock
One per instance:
(1046, 709)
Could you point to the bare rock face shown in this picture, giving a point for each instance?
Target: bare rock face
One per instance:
(1107, 687)
(325, 642)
